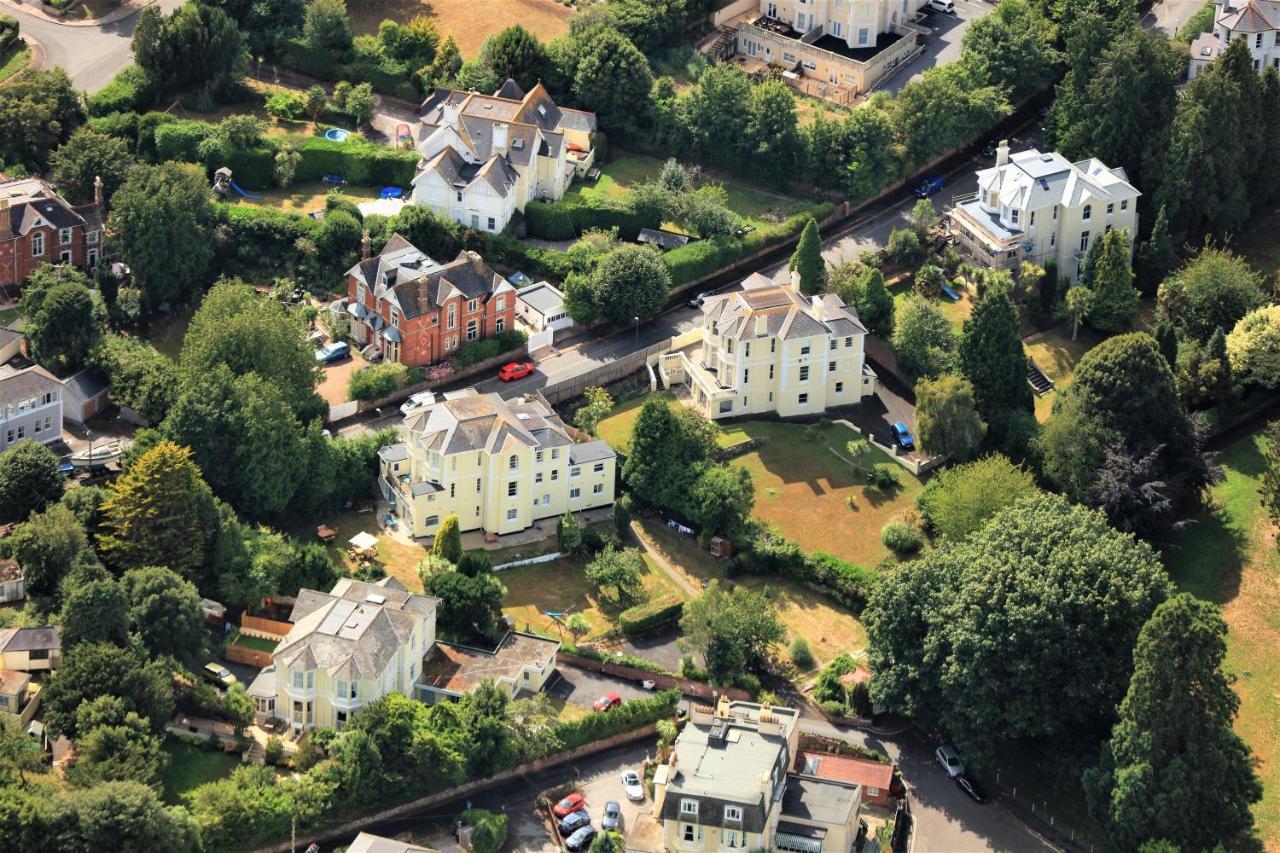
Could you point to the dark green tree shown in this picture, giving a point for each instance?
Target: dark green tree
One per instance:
(141, 378)
(1013, 48)
(197, 46)
(869, 151)
(1214, 289)
(122, 816)
(1270, 488)
(874, 304)
(163, 223)
(946, 108)
(617, 574)
(668, 451)
(267, 24)
(721, 499)
(326, 27)
(923, 339)
(470, 607)
(630, 281)
(1167, 339)
(29, 479)
(91, 670)
(713, 112)
(735, 630)
(947, 652)
(958, 501)
(611, 75)
(992, 357)
(807, 262)
(60, 323)
(1174, 735)
(516, 54)
(128, 752)
(1155, 258)
(38, 112)
(87, 156)
(95, 613)
(1115, 299)
(771, 135)
(165, 612)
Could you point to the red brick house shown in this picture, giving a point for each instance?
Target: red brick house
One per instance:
(415, 311)
(875, 777)
(38, 226)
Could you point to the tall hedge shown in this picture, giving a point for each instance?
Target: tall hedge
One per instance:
(386, 75)
(650, 614)
(132, 90)
(699, 258)
(626, 717)
(358, 162)
(564, 220)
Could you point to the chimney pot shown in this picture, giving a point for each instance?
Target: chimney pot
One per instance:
(1002, 153)
(366, 247)
(97, 191)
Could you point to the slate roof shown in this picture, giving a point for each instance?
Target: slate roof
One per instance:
(87, 383)
(1255, 17)
(1032, 181)
(764, 308)
(416, 285)
(394, 452)
(474, 421)
(28, 639)
(354, 630)
(33, 199)
(541, 297)
(590, 451)
(27, 383)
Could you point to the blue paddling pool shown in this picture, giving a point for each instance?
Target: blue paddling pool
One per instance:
(337, 134)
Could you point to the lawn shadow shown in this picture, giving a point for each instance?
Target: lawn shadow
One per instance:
(1209, 557)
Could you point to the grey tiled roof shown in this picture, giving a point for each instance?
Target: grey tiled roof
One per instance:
(820, 800)
(27, 639)
(486, 422)
(590, 451)
(27, 383)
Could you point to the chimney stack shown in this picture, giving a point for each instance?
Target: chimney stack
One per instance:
(499, 139)
(366, 247)
(97, 192)
(6, 219)
(1002, 153)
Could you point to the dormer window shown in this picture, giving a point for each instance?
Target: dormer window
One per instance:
(689, 808)
(1013, 215)
(733, 813)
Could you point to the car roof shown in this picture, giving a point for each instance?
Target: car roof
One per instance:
(900, 425)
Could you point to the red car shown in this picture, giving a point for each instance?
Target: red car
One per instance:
(607, 701)
(515, 370)
(570, 804)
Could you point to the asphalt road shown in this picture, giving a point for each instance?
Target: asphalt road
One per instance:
(1168, 16)
(91, 55)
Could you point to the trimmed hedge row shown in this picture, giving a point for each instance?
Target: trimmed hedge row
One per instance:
(474, 352)
(620, 658)
(386, 75)
(132, 90)
(700, 258)
(654, 612)
(844, 582)
(566, 220)
(359, 162)
(624, 718)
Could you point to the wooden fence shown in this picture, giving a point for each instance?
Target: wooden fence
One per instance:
(263, 628)
(247, 656)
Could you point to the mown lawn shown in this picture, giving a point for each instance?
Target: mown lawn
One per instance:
(1229, 557)
(399, 559)
(167, 331)
(190, 767)
(955, 312)
(616, 429)
(559, 586)
(811, 493)
(618, 176)
(310, 196)
(14, 60)
(256, 643)
(1056, 354)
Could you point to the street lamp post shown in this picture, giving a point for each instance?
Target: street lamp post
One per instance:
(637, 319)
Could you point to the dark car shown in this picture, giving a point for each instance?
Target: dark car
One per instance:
(581, 839)
(931, 185)
(570, 804)
(331, 352)
(990, 149)
(572, 823)
(902, 435)
(971, 788)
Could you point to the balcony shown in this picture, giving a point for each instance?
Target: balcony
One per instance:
(982, 236)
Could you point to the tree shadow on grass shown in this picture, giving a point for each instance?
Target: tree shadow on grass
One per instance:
(1208, 557)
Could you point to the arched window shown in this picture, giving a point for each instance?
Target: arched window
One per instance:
(513, 462)
(1088, 211)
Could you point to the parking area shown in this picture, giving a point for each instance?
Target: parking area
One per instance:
(943, 45)
(333, 383)
(582, 688)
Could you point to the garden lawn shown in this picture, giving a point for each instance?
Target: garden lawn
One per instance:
(805, 489)
(167, 331)
(13, 61)
(1056, 354)
(399, 559)
(560, 586)
(1229, 557)
(256, 643)
(190, 767)
(618, 176)
(310, 196)
(955, 312)
(468, 21)
(616, 428)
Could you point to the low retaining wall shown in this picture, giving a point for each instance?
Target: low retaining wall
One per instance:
(530, 561)
(733, 451)
(696, 689)
(444, 797)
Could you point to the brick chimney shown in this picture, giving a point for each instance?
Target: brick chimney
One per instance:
(97, 192)
(6, 220)
(366, 247)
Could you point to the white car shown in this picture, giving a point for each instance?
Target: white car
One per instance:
(632, 786)
(949, 760)
(417, 401)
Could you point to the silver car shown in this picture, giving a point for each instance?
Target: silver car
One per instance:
(612, 819)
(632, 786)
(949, 760)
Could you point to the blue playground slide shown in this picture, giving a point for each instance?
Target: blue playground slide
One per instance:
(248, 195)
(951, 294)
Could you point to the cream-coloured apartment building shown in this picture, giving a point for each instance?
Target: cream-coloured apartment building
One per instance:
(728, 786)
(348, 647)
(1042, 208)
(835, 49)
(499, 465)
(769, 348)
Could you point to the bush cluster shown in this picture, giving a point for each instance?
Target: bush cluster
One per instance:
(699, 258)
(474, 352)
(376, 381)
(132, 90)
(385, 74)
(768, 552)
(628, 716)
(8, 31)
(901, 537)
(565, 220)
(616, 657)
(655, 611)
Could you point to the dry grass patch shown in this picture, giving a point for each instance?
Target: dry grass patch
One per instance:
(559, 586)
(398, 559)
(468, 21)
(829, 630)
(310, 196)
(813, 495)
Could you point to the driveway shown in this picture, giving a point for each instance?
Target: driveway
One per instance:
(876, 415)
(336, 376)
(941, 47)
(583, 688)
(1168, 16)
(91, 55)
